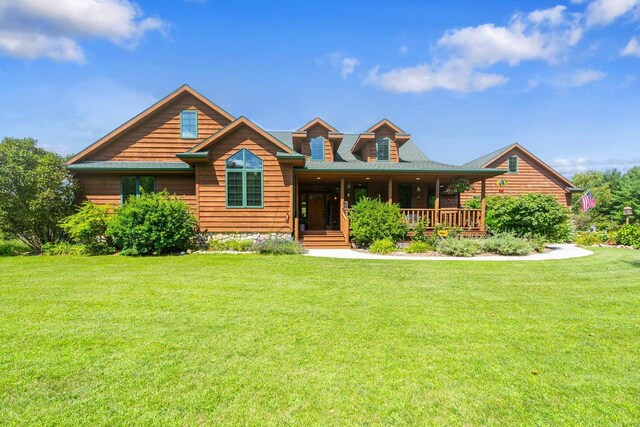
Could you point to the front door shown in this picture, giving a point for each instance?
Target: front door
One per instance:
(315, 211)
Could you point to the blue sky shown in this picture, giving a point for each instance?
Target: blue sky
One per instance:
(464, 77)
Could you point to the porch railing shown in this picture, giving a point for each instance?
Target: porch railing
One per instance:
(467, 219)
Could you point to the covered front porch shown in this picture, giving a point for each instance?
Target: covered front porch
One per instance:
(323, 202)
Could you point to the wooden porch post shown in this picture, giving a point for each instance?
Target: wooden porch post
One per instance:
(296, 209)
(437, 202)
(341, 195)
(483, 204)
(390, 190)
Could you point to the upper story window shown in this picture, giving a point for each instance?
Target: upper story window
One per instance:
(189, 124)
(244, 180)
(317, 148)
(383, 148)
(134, 186)
(513, 164)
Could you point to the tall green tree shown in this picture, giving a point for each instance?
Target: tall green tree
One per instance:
(36, 192)
(627, 194)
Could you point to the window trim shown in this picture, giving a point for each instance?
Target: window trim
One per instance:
(182, 113)
(388, 142)
(137, 177)
(311, 149)
(244, 172)
(517, 165)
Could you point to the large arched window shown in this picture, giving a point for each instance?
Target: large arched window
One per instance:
(317, 148)
(244, 180)
(383, 148)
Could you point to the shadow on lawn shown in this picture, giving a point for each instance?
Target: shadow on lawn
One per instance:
(633, 263)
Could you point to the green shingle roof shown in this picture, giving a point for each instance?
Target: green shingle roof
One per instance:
(411, 159)
(481, 161)
(130, 166)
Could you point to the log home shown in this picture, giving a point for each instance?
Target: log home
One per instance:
(239, 178)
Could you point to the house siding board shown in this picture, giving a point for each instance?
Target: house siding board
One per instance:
(531, 178)
(157, 138)
(104, 188)
(277, 190)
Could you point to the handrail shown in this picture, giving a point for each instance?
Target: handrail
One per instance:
(344, 225)
(467, 219)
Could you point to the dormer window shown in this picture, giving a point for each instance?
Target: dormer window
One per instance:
(189, 124)
(383, 149)
(317, 149)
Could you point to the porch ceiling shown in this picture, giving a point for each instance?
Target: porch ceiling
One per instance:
(318, 178)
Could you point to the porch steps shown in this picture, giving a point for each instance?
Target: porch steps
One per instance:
(330, 239)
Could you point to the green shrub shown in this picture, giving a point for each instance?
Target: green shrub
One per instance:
(507, 245)
(420, 247)
(64, 248)
(587, 238)
(538, 243)
(12, 247)
(629, 235)
(231, 245)
(420, 231)
(279, 247)
(459, 247)
(89, 226)
(154, 223)
(373, 220)
(383, 247)
(532, 215)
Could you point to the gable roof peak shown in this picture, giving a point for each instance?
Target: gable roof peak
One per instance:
(317, 121)
(386, 122)
(185, 88)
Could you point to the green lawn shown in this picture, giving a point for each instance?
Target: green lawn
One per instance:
(263, 340)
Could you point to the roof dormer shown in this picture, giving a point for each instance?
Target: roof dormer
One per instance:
(317, 140)
(381, 142)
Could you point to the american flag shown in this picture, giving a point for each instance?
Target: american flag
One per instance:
(588, 202)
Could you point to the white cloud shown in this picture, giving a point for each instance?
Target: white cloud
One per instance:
(584, 77)
(30, 28)
(543, 35)
(32, 46)
(403, 49)
(571, 166)
(423, 78)
(604, 12)
(348, 66)
(632, 48)
(552, 16)
(345, 64)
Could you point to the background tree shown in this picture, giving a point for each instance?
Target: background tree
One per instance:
(627, 194)
(36, 192)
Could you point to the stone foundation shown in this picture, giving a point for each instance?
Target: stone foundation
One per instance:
(254, 237)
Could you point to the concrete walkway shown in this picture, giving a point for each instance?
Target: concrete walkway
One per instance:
(558, 251)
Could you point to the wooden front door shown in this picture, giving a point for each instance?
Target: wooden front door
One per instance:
(315, 211)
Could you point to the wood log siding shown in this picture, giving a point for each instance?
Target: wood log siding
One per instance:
(277, 188)
(104, 188)
(158, 137)
(531, 178)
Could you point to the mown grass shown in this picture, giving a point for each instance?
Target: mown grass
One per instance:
(264, 340)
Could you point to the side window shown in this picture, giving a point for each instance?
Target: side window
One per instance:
(382, 149)
(189, 124)
(244, 180)
(513, 164)
(134, 186)
(317, 148)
